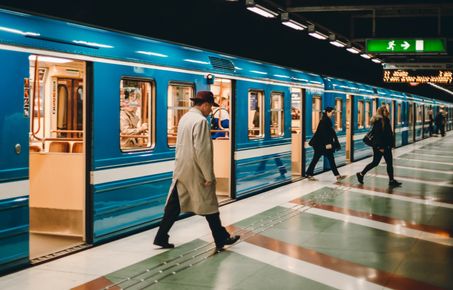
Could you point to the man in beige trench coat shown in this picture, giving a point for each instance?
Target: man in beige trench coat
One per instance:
(193, 186)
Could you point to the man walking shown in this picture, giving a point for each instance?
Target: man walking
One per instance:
(193, 188)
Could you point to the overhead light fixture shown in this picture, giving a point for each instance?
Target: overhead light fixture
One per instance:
(258, 9)
(335, 42)
(364, 55)
(353, 50)
(316, 34)
(291, 23)
(376, 60)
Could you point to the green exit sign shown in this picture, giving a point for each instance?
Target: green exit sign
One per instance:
(401, 46)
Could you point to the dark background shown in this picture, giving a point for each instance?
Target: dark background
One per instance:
(230, 28)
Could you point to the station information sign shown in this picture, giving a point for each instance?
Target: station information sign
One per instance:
(418, 76)
(402, 46)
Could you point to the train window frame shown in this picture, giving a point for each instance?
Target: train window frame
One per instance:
(261, 116)
(280, 114)
(410, 114)
(338, 114)
(150, 145)
(175, 127)
(368, 105)
(399, 108)
(418, 113)
(316, 112)
(360, 114)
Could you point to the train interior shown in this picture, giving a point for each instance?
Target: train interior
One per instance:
(57, 155)
(220, 132)
(296, 132)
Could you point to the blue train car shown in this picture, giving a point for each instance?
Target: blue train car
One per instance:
(89, 132)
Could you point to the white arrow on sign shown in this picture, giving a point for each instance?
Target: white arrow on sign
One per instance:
(405, 45)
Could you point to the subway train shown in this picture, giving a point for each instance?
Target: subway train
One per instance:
(89, 121)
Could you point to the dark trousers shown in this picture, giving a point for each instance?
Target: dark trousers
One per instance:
(377, 156)
(171, 213)
(329, 155)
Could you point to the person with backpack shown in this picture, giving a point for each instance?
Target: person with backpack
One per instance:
(382, 143)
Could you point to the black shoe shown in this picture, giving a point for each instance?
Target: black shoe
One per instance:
(359, 177)
(228, 241)
(394, 183)
(164, 245)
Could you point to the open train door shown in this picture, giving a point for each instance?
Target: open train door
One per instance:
(221, 133)
(297, 140)
(349, 128)
(57, 158)
(14, 185)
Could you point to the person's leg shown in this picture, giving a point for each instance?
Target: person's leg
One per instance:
(333, 165)
(314, 161)
(388, 157)
(377, 156)
(171, 213)
(219, 233)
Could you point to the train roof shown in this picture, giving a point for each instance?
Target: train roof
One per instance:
(31, 31)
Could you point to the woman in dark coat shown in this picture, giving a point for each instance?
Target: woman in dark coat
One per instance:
(382, 145)
(324, 142)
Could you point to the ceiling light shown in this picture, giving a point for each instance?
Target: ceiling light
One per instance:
(316, 34)
(258, 9)
(335, 42)
(376, 60)
(364, 55)
(353, 50)
(291, 23)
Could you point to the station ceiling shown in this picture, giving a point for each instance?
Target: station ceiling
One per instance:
(227, 26)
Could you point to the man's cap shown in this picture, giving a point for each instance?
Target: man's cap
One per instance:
(205, 97)
(329, 109)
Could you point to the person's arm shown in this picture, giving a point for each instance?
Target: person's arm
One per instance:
(203, 150)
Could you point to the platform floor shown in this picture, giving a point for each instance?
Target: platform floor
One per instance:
(306, 235)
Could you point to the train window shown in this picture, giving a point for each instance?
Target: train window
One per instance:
(338, 114)
(178, 104)
(316, 112)
(360, 114)
(419, 113)
(367, 115)
(277, 115)
(256, 116)
(136, 108)
(398, 114)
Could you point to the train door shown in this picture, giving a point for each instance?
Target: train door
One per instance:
(221, 135)
(297, 141)
(57, 156)
(410, 123)
(14, 185)
(349, 126)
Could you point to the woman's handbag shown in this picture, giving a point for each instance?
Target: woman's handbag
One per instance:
(368, 139)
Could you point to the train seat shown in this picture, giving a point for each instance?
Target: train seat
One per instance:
(59, 146)
(77, 147)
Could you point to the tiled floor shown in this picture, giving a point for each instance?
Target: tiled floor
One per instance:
(307, 235)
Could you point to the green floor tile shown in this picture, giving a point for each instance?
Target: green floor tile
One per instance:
(271, 278)
(422, 164)
(413, 173)
(427, 157)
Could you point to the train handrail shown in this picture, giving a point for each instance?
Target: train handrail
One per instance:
(35, 84)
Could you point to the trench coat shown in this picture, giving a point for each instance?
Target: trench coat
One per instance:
(194, 165)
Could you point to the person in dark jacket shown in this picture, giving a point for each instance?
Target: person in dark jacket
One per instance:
(440, 123)
(382, 145)
(324, 142)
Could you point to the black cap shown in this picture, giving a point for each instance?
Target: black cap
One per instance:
(205, 97)
(329, 109)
